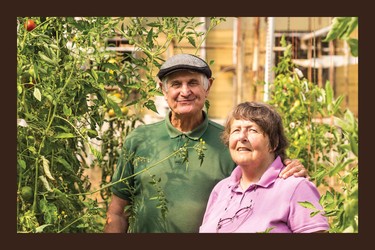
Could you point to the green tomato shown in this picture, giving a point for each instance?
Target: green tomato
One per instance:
(27, 193)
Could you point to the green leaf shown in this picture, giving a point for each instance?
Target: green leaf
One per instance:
(312, 214)
(114, 98)
(45, 183)
(41, 228)
(22, 163)
(64, 163)
(19, 89)
(337, 104)
(46, 168)
(66, 129)
(329, 93)
(353, 144)
(351, 26)
(353, 44)
(94, 74)
(111, 66)
(67, 111)
(327, 197)
(47, 59)
(95, 152)
(154, 24)
(37, 94)
(149, 38)
(150, 104)
(207, 104)
(192, 41)
(339, 26)
(64, 135)
(340, 165)
(307, 204)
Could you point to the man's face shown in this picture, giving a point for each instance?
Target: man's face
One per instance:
(185, 92)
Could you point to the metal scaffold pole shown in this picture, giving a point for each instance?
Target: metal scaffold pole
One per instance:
(268, 75)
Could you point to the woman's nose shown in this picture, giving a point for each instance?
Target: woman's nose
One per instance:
(243, 135)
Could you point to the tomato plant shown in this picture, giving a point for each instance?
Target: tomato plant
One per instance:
(65, 80)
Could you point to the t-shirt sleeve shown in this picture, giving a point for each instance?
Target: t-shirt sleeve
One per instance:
(122, 183)
(300, 219)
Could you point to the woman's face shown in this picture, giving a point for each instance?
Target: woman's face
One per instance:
(186, 94)
(248, 145)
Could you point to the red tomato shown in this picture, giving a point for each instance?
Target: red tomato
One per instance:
(30, 25)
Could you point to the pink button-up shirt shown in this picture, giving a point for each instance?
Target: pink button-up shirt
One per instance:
(271, 205)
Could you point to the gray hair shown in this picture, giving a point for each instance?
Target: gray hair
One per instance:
(204, 79)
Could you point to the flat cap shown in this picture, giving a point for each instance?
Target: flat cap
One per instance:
(184, 62)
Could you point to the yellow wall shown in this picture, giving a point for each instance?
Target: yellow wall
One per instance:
(347, 86)
(220, 49)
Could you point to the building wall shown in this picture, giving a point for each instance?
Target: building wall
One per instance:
(220, 49)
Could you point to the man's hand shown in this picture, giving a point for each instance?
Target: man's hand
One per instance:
(293, 167)
(117, 219)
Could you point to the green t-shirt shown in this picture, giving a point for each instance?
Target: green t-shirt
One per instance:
(170, 187)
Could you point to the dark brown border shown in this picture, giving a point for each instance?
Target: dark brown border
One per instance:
(185, 8)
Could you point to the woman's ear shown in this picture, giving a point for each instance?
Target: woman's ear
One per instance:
(274, 148)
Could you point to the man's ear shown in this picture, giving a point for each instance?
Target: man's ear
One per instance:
(161, 86)
(210, 82)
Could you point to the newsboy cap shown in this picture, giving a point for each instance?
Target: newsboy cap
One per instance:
(184, 62)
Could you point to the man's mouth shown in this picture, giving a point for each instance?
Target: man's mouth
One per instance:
(186, 100)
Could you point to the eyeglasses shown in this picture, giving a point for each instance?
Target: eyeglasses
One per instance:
(234, 221)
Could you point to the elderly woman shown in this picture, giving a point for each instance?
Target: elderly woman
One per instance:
(252, 199)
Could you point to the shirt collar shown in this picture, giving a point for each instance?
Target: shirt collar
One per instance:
(195, 134)
(267, 178)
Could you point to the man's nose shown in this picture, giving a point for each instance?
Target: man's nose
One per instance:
(185, 89)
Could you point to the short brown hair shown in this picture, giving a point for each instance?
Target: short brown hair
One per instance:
(266, 117)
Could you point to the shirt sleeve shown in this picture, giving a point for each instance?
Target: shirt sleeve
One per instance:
(300, 219)
(121, 181)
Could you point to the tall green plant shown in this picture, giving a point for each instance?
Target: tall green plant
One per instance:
(55, 82)
(323, 137)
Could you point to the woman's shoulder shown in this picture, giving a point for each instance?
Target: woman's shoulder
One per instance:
(293, 181)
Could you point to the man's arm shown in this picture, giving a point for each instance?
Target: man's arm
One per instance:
(293, 167)
(117, 219)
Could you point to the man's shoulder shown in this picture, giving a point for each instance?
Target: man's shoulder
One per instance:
(147, 129)
(154, 125)
(215, 125)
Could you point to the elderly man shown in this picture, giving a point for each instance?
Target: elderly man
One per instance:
(161, 192)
